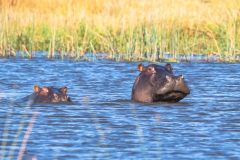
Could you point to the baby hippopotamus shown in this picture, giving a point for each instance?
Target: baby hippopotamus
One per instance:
(157, 83)
(48, 95)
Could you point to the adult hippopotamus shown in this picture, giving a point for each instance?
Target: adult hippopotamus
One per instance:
(48, 95)
(157, 83)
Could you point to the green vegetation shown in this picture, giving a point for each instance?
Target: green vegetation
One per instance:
(125, 30)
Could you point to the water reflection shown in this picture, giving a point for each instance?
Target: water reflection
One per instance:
(104, 124)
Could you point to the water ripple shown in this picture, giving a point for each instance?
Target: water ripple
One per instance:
(103, 123)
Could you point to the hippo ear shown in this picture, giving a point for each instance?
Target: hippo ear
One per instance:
(140, 67)
(36, 88)
(168, 66)
(64, 90)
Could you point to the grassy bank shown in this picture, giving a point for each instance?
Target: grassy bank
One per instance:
(128, 30)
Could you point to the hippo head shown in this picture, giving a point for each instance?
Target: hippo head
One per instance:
(157, 83)
(50, 95)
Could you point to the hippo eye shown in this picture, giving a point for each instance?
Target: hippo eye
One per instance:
(149, 69)
(55, 95)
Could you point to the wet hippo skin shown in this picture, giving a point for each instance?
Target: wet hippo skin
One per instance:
(157, 83)
(48, 95)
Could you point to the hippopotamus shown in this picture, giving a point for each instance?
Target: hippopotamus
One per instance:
(48, 95)
(157, 83)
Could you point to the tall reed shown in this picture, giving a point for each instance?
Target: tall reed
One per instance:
(125, 30)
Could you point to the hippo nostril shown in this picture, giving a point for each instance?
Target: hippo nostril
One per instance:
(181, 77)
(153, 70)
(168, 78)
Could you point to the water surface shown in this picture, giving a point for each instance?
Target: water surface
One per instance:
(103, 123)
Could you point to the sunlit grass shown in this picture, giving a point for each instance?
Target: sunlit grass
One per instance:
(128, 30)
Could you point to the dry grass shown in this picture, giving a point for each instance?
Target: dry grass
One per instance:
(136, 29)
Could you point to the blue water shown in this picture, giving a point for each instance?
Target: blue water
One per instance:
(103, 123)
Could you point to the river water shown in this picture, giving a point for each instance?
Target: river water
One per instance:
(103, 123)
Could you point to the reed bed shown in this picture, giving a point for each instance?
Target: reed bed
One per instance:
(124, 30)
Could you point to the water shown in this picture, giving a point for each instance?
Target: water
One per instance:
(103, 123)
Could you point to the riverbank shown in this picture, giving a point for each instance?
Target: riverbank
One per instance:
(126, 30)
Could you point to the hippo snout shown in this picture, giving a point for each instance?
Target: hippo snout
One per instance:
(181, 85)
(186, 91)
